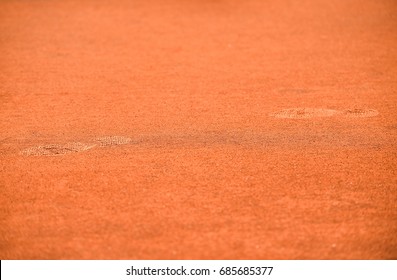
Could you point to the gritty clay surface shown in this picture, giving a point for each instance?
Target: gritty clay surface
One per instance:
(198, 129)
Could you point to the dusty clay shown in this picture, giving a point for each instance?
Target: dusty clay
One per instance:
(169, 129)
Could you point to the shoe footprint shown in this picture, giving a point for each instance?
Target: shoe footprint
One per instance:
(113, 140)
(307, 113)
(303, 113)
(57, 149)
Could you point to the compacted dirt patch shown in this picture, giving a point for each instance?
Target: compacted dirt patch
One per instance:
(172, 129)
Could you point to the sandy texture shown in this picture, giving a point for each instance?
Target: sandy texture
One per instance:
(149, 130)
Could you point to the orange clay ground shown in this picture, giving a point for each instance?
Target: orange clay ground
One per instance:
(223, 129)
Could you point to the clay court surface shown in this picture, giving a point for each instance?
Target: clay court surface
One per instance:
(198, 129)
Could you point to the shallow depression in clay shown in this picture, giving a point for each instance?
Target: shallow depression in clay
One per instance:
(113, 140)
(57, 149)
(303, 113)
